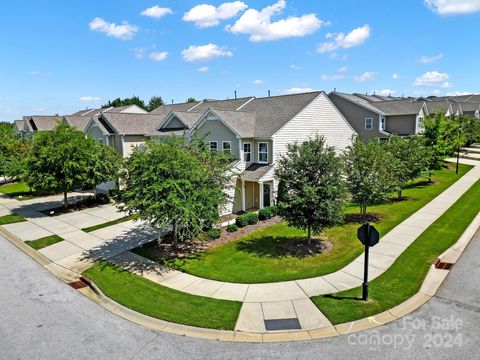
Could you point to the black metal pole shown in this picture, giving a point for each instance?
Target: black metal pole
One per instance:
(365, 270)
(458, 159)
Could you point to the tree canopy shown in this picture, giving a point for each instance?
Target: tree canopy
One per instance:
(155, 102)
(174, 185)
(134, 100)
(314, 191)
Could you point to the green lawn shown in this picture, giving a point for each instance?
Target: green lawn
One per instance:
(11, 219)
(404, 278)
(110, 223)
(18, 190)
(44, 242)
(259, 258)
(149, 298)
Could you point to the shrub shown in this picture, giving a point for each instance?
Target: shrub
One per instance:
(241, 220)
(252, 218)
(264, 214)
(232, 228)
(274, 210)
(213, 233)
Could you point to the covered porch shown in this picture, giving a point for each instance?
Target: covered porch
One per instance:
(257, 188)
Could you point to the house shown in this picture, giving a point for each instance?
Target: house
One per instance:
(459, 105)
(378, 117)
(19, 128)
(35, 123)
(256, 131)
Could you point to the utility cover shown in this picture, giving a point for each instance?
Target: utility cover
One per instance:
(368, 235)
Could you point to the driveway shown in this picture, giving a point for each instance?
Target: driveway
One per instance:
(42, 318)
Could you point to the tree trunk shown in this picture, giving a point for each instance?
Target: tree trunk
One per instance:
(399, 193)
(95, 191)
(65, 200)
(174, 234)
(309, 235)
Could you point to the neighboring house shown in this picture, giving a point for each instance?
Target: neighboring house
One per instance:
(78, 122)
(256, 131)
(129, 109)
(469, 109)
(373, 117)
(444, 106)
(19, 128)
(35, 123)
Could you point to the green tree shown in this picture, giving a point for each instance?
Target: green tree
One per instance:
(411, 158)
(103, 165)
(314, 191)
(59, 160)
(173, 185)
(470, 128)
(191, 99)
(368, 173)
(134, 100)
(155, 102)
(13, 153)
(443, 136)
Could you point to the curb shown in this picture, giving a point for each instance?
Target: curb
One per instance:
(430, 285)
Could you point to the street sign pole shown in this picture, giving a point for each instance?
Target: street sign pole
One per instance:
(365, 276)
(368, 236)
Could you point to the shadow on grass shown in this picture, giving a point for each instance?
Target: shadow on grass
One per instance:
(340, 298)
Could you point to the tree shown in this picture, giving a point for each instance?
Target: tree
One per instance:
(470, 128)
(368, 173)
(134, 100)
(103, 165)
(155, 102)
(410, 158)
(314, 191)
(59, 160)
(191, 99)
(174, 185)
(443, 136)
(13, 153)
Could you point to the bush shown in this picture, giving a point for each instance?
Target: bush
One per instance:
(241, 220)
(252, 218)
(232, 228)
(213, 234)
(267, 212)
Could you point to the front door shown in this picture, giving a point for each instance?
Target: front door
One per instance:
(266, 194)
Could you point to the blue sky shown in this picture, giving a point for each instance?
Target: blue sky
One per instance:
(59, 56)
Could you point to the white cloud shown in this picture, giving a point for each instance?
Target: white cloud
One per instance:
(385, 92)
(139, 53)
(447, 85)
(354, 38)
(40, 74)
(203, 69)
(297, 90)
(395, 76)
(204, 52)
(205, 15)
(295, 67)
(257, 82)
(366, 76)
(343, 69)
(430, 59)
(156, 12)
(158, 55)
(431, 78)
(328, 77)
(90, 99)
(259, 26)
(453, 7)
(124, 31)
(458, 93)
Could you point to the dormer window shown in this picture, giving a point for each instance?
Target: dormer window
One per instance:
(263, 153)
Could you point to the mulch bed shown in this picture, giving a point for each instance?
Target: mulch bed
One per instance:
(85, 203)
(360, 218)
(301, 248)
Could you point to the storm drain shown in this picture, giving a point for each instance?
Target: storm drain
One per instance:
(442, 265)
(77, 284)
(282, 324)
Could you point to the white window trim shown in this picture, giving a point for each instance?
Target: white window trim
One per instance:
(210, 145)
(371, 124)
(250, 152)
(223, 147)
(258, 152)
(383, 124)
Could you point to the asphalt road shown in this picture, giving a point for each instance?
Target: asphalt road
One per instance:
(42, 318)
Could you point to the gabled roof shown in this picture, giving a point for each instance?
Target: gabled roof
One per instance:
(434, 107)
(78, 122)
(357, 100)
(241, 122)
(229, 104)
(87, 112)
(123, 109)
(131, 124)
(256, 171)
(399, 107)
(167, 108)
(19, 125)
(468, 106)
(42, 123)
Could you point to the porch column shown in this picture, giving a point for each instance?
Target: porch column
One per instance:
(273, 193)
(260, 190)
(243, 195)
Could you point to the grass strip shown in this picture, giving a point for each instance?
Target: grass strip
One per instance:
(11, 219)
(261, 256)
(18, 190)
(405, 277)
(44, 242)
(110, 223)
(152, 299)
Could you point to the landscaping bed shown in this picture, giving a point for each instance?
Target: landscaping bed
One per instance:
(152, 299)
(77, 205)
(263, 256)
(405, 277)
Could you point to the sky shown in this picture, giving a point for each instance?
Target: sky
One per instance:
(62, 56)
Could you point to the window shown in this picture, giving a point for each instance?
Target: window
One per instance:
(420, 123)
(213, 146)
(368, 123)
(382, 124)
(227, 146)
(263, 153)
(247, 152)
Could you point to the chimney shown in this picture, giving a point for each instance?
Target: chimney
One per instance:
(235, 94)
(268, 93)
